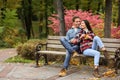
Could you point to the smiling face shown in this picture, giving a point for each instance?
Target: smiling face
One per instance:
(83, 25)
(76, 22)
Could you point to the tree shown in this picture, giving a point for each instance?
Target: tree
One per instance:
(118, 13)
(27, 12)
(108, 18)
(60, 11)
(77, 4)
(46, 16)
(95, 20)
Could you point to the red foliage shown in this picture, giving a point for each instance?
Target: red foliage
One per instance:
(93, 19)
(115, 32)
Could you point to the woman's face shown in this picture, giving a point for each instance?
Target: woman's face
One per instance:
(82, 25)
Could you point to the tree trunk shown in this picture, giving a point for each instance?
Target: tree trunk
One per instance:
(118, 13)
(28, 17)
(3, 9)
(60, 11)
(108, 18)
(98, 9)
(40, 24)
(22, 17)
(77, 4)
(46, 17)
(88, 5)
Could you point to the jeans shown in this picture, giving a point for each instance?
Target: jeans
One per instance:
(69, 50)
(93, 50)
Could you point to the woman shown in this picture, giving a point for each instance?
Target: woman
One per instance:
(89, 43)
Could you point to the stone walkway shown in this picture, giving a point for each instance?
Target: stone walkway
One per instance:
(19, 71)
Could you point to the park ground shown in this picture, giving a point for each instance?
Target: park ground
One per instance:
(27, 71)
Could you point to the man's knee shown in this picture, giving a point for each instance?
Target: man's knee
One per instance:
(62, 39)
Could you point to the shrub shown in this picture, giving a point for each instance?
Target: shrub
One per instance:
(116, 32)
(95, 20)
(27, 50)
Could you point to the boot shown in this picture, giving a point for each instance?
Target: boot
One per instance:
(96, 73)
(106, 55)
(62, 73)
(75, 54)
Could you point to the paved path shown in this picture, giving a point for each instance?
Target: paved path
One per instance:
(6, 53)
(19, 71)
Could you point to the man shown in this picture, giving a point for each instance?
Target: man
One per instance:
(68, 43)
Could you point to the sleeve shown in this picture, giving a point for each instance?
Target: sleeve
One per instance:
(68, 35)
(90, 35)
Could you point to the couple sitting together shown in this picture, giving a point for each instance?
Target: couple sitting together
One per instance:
(81, 39)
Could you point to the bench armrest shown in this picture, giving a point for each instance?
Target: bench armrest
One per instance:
(39, 46)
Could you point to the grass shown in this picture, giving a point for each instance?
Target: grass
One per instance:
(19, 59)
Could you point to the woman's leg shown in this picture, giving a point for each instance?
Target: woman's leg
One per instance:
(96, 55)
(97, 42)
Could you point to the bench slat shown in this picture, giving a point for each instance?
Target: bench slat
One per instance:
(53, 42)
(63, 53)
(112, 45)
(52, 52)
(55, 46)
(111, 49)
(103, 39)
(55, 37)
(110, 40)
(61, 47)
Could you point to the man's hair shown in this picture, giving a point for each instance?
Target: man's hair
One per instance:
(75, 17)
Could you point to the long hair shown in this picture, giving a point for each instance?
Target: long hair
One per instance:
(88, 25)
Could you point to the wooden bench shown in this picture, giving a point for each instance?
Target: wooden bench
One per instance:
(53, 46)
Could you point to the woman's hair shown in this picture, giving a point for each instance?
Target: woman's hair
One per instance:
(88, 25)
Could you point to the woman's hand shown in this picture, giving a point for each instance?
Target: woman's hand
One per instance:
(87, 36)
(83, 35)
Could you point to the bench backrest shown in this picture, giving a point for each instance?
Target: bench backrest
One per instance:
(110, 43)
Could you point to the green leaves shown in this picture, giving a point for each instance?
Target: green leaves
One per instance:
(10, 19)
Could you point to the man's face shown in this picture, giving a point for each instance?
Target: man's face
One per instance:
(76, 23)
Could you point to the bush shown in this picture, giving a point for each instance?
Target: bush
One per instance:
(27, 50)
(95, 20)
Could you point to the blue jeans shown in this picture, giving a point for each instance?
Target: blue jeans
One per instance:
(69, 50)
(93, 51)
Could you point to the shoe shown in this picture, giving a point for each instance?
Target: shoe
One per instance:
(75, 54)
(96, 73)
(62, 73)
(106, 55)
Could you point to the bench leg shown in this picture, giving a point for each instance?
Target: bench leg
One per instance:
(116, 65)
(46, 61)
(82, 60)
(37, 56)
